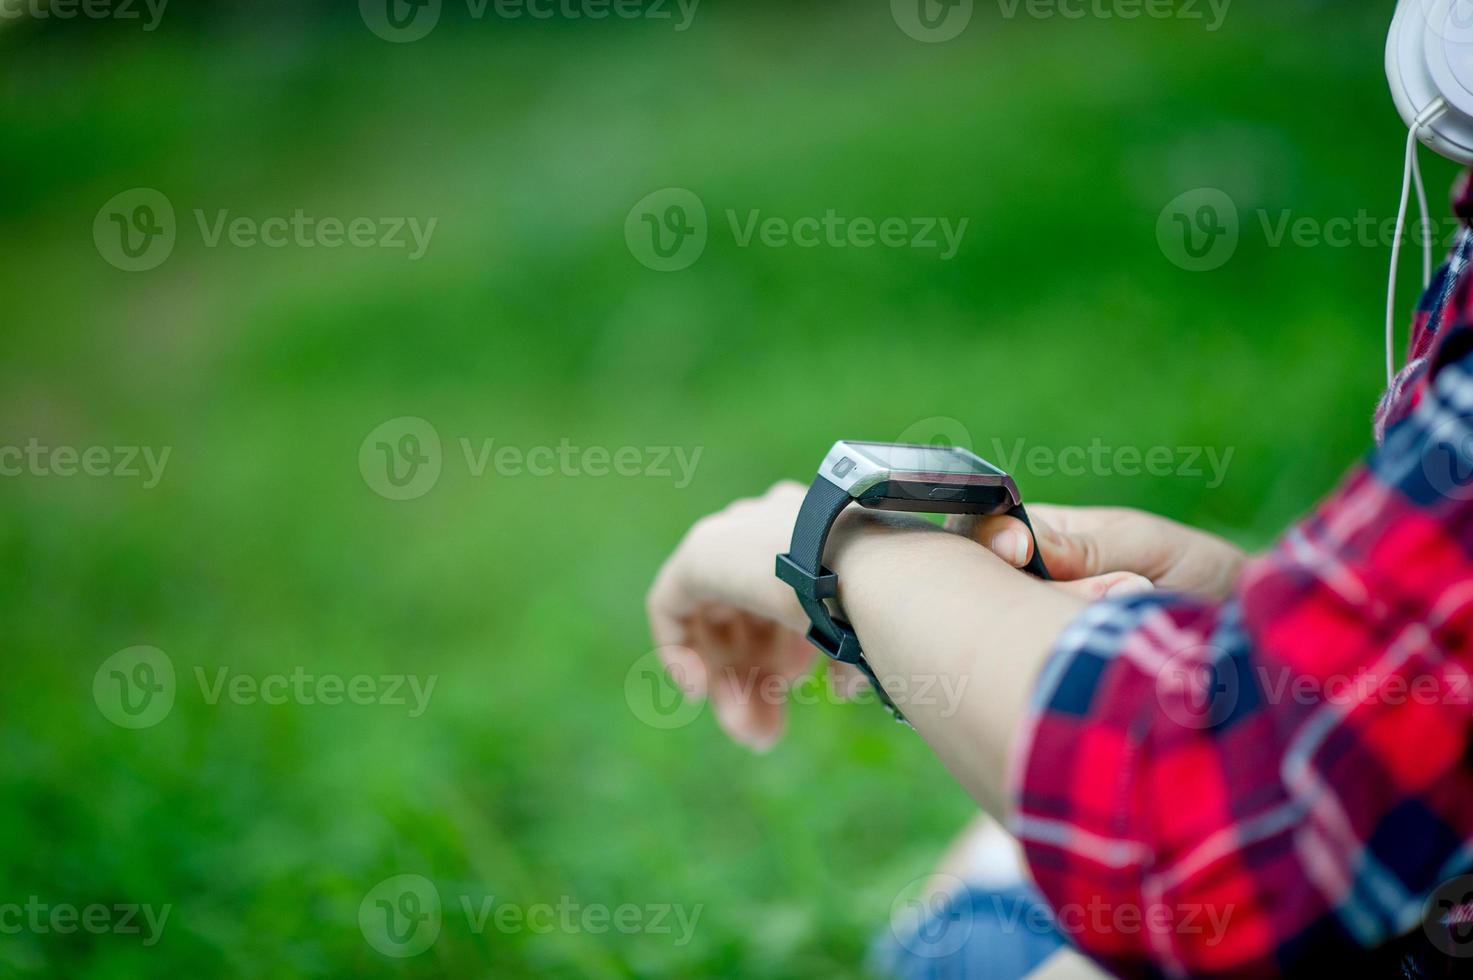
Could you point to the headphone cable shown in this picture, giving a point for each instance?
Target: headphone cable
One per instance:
(1411, 173)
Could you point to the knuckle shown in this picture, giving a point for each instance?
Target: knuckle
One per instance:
(716, 518)
(1089, 551)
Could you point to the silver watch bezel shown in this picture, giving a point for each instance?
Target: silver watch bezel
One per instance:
(865, 473)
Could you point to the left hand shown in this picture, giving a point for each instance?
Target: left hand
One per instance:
(728, 628)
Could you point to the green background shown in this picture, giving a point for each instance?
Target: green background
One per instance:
(530, 777)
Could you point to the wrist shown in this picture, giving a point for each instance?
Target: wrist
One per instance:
(857, 532)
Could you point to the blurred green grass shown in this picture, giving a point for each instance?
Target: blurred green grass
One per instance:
(528, 321)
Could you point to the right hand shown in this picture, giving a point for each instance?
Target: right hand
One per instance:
(1085, 542)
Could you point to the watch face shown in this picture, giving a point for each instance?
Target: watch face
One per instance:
(938, 462)
(930, 479)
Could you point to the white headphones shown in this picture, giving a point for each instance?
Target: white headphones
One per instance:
(1429, 63)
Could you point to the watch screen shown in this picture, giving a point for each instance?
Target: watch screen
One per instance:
(926, 459)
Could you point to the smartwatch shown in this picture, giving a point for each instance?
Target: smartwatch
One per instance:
(885, 476)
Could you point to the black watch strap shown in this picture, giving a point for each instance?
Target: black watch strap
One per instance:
(803, 569)
(1035, 565)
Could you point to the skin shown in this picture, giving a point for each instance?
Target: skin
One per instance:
(935, 609)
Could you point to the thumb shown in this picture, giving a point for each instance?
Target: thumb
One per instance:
(1068, 554)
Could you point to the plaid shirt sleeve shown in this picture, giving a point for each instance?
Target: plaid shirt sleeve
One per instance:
(1284, 779)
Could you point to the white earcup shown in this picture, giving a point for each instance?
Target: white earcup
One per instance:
(1429, 56)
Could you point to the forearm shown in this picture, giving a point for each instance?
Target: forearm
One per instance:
(959, 635)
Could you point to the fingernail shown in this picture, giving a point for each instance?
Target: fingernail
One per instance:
(1011, 546)
(761, 744)
(742, 729)
(1129, 586)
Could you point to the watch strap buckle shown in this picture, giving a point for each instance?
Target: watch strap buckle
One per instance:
(846, 650)
(814, 587)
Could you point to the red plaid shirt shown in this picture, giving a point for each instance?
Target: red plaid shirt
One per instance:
(1281, 781)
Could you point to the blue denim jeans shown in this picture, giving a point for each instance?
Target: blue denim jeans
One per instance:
(979, 933)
